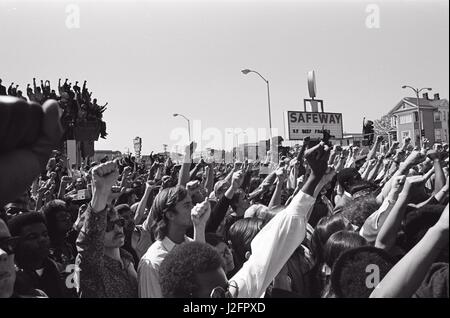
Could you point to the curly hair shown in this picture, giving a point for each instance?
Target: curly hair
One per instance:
(50, 210)
(350, 271)
(178, 270)
(165, 201)
(359, 209)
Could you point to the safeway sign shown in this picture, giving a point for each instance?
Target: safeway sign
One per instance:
(312, 124)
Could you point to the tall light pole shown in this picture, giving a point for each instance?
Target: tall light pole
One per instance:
(188, 122)
(237, 134)
(245, 72)
(417, 91)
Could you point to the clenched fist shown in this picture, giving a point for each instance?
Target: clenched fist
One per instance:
(104, 176)
(200, 213)
(317, 158)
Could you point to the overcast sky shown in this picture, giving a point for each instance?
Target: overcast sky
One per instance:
(150, 59)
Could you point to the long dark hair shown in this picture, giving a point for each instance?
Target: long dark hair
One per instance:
(337, 244)
(241, 235)
(165, 201)
(340, 242)
(326, 227)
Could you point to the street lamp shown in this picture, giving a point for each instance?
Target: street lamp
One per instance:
(417, 91)
(236, 134)
(245, 72)
(188, 122)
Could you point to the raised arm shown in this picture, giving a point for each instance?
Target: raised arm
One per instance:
(407, 275)
(196, 169)
(281, 174)
(90, 242)
(65, 180)
(375, 221)
(184, 176)
(200, 214)
(126, 173)
(373, 150)
(143, 203)
(374, 172)
(440, 177)
(275, 243)
(388, 233)
(221, 208)
(209, 181)
(414, 158)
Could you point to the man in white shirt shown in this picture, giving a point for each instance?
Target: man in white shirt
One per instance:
(171, 218)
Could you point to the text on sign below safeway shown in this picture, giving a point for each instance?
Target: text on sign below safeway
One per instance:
(312, 124)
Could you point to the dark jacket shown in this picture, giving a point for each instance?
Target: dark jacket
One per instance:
(50, 282)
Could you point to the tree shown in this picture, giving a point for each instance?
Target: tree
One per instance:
(383, 125)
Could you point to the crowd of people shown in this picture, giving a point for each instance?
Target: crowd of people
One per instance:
(324, 221)
(76, 102)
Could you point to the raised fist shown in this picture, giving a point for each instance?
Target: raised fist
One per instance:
(398, 183)
(414, 158)
(317, 158)
(127, 170)
(281, 174)
(66, 179)
(200, 213)
(104, 176)
(190, 149)
(236, 179)
(433, 155)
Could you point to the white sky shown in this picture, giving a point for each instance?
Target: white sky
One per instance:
(150, 59)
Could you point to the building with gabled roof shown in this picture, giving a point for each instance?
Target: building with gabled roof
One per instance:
(434, 115)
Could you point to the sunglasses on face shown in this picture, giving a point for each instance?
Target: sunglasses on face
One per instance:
(220, 292)
(111, 224)
(9, 244)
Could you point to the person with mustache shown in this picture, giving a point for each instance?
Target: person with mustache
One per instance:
(104, 269)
